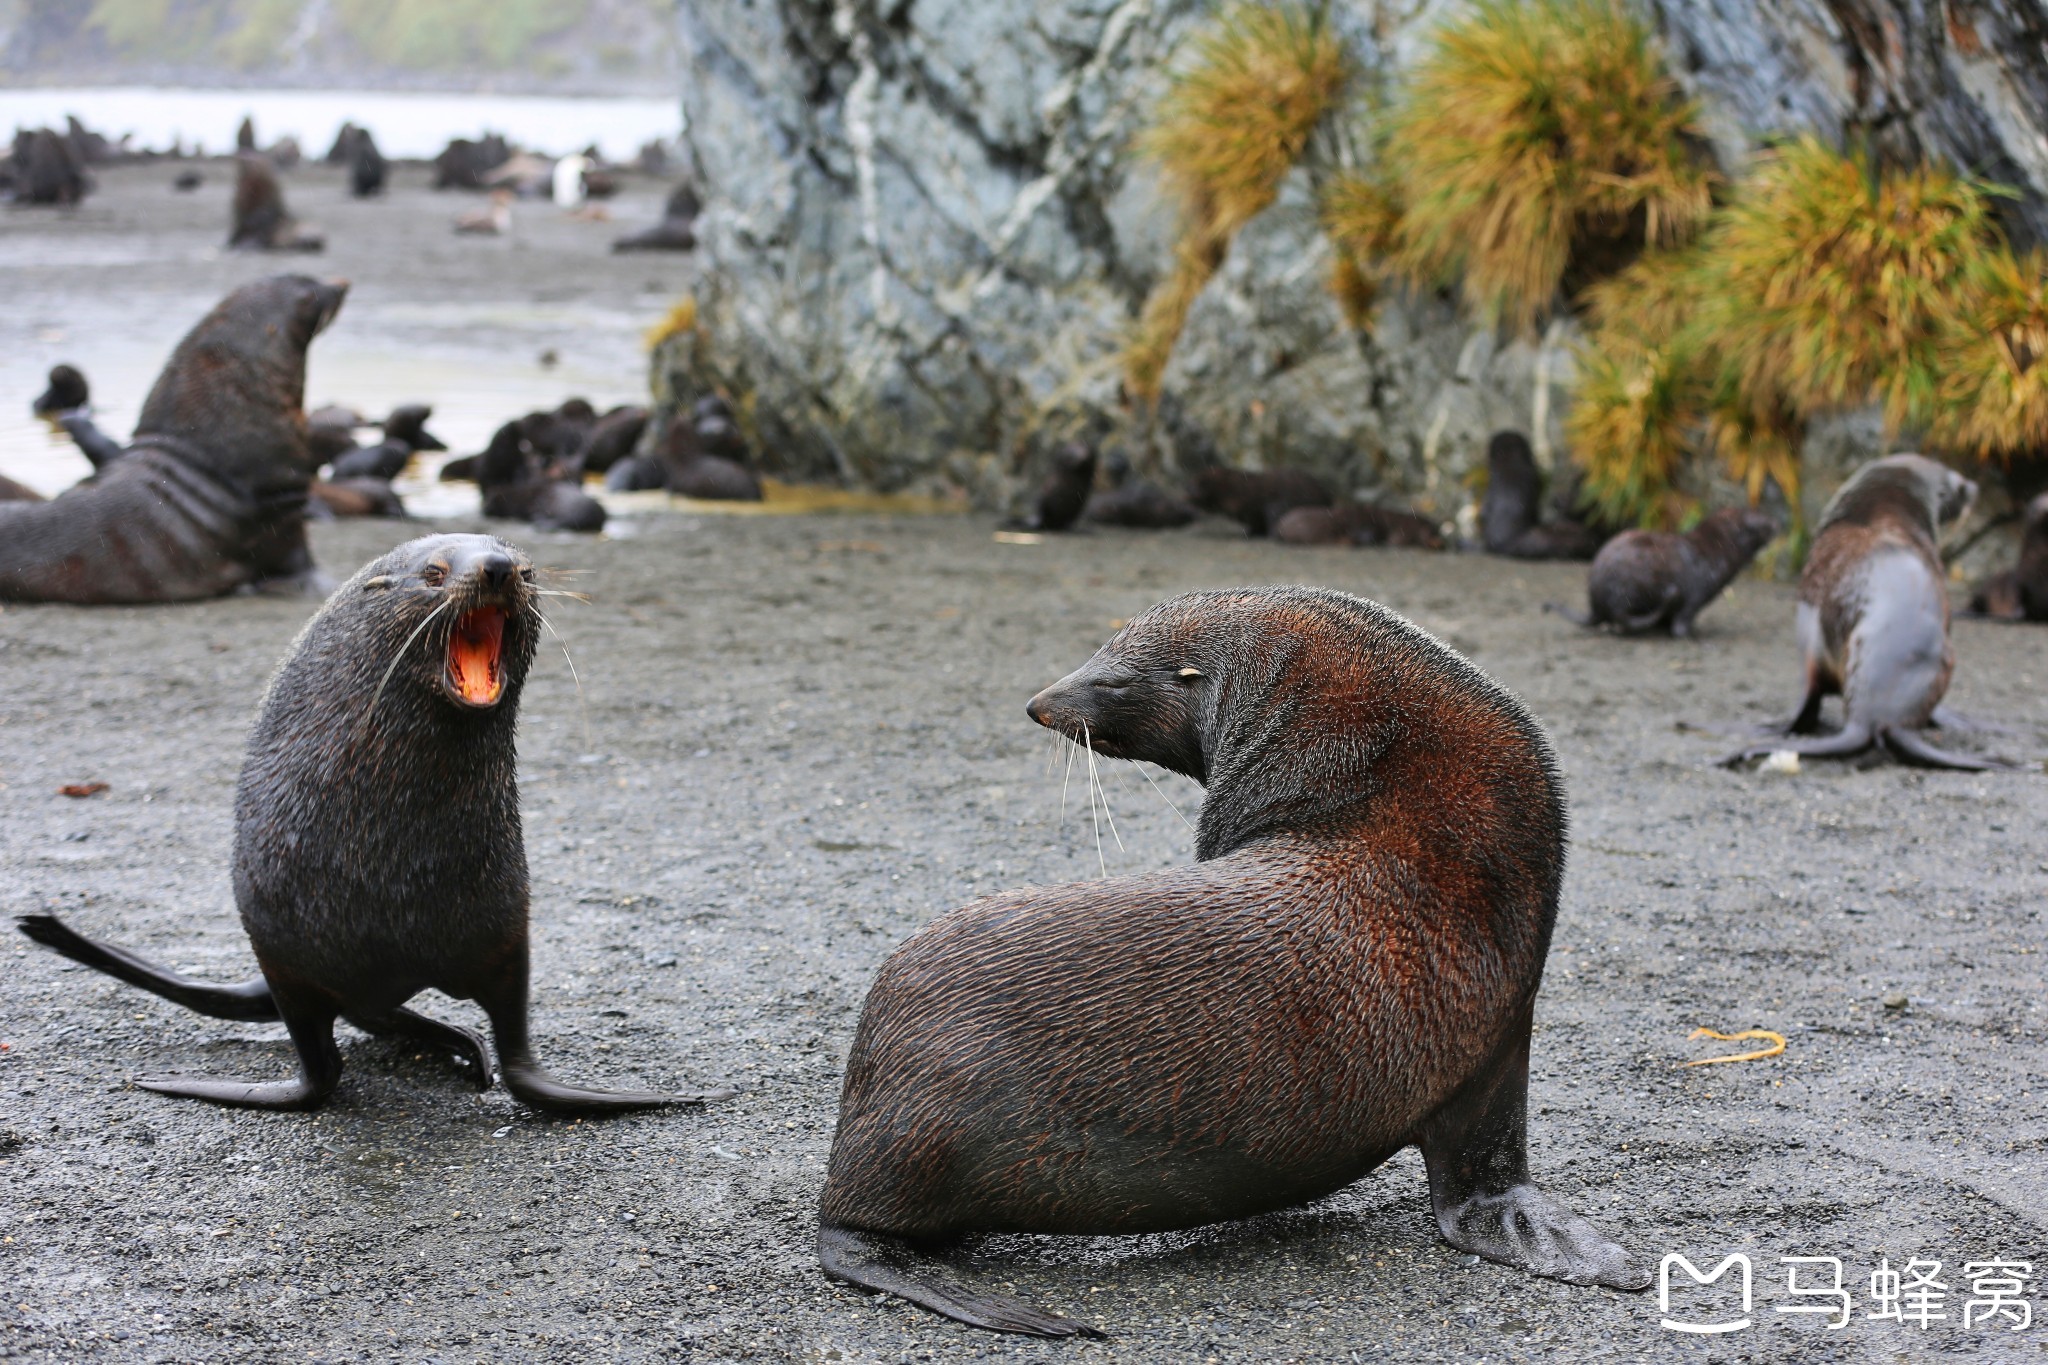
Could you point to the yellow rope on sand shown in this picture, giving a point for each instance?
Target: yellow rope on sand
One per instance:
(1777, 1045)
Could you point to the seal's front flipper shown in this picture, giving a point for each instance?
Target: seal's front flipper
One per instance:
(319, 1073)
(890, 1265)
(244, 1000)
(1477, 1150)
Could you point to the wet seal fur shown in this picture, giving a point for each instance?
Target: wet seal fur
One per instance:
(211, 493)
(1349, 967)
(2021, 592)
(1643, 581)
(378, 848)
(1873, 616)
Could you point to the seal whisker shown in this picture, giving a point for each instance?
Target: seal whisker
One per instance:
(425, 621)
(1097, 819)
(1142, 772)
(1065, 778)
(1095, 775)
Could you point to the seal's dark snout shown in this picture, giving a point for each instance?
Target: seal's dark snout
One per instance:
(1037, 710)
(495, 572)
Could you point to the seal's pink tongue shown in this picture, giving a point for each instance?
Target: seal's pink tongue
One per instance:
(473, 654)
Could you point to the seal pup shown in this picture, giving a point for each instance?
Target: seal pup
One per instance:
(515, 486)
(378, 850)
(1873, 615)
(1360, 524)
(367, 168)
(1659, 580)
(210, 494)
(408, 423)
(1349, 967)
(1256, 498)
(350, 496)
(67, 392)
(1063, 494)
(612, 438)
(1510, 515)
(385, 461)
(677, 230)
(693, 474)
(2020, 593)
(718, 430)
(260, 220)
(1140, 506)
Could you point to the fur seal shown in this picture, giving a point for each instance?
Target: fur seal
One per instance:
(367, 168)
(693, 474)
(98, 447)
(1139, 506)
(11, 491)
(378, 849)
(261, 221)
(47, 169)
(2020, 593)
(718, 430)
(1873, 615)
(353, 496)
(67, 392)
(408, 423)
(1256, 498)
(515, 486)
(612, 438)
(1659, 580)
(1359, 524)
(210, 495)
(677, 230)
(384, 461)
(1349, 967)
(463, 164)
(1063, 495)
(1510, 514)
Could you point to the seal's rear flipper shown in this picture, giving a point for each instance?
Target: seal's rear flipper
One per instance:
(246, 1000)
(1911, 747)
(1477, 1151)
(1852, 738)
(1577, 618)
(889, 1265)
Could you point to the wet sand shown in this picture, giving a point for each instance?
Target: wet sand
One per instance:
(798, 739)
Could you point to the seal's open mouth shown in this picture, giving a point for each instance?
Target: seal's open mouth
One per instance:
(476, 650)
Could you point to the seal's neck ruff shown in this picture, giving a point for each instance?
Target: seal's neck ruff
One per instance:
(475, 673)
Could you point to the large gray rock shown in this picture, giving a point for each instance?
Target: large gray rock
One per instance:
(928, 233)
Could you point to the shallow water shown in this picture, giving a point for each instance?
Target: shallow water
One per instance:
(404, 124)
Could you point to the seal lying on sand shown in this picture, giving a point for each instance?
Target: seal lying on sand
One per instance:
(1873, 615)
(677, 230)
(261, 221)
(1257, 498)
(1650, 580)
(694, 474)
(2020, 593)
(1139, 506)
(1355, 523)
(1349, 968)
(211, 493)
(378, 850)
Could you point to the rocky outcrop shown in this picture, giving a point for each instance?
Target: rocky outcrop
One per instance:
(927, 233)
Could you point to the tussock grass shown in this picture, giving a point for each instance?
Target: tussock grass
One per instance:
(1233, 123)
(679, 319)
(1539, 135)
(1991, 398)
(1361, 216)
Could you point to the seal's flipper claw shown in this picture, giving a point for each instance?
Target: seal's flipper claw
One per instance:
(890, 1265)
(1526, 1228)
(533, 1086)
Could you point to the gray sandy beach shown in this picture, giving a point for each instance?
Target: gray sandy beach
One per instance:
(796, 740)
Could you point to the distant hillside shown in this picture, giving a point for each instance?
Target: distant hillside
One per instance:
(535, 46)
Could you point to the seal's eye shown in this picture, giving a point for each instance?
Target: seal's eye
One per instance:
(1188, 675)
(373, 584)
(434, 575)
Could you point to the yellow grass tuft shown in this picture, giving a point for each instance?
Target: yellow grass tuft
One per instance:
(1362, 218)
(1232, 124)
(1991, 399)
(679, 319)
(1539, 135)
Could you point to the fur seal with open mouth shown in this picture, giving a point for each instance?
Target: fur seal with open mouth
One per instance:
(1350, 967)
(210, 495)
(378, 845)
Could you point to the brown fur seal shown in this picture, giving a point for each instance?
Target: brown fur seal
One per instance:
(1657, 580)
(367, 168)
(677, 230)
(1873, 614)
(1139, 506)
(1357, 524)
(261, 221)
(1510, 513)
(1349, 967)
(1256, 498)
(2020, 593)
(463, 163)
(211, 494)
(378, 850)
(516, 486)
(612, 439)
(67, 392)
(693, 474)
(1063, 495)
(408, 423)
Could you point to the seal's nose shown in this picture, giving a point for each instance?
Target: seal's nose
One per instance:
(495, 572)
(1035, 708)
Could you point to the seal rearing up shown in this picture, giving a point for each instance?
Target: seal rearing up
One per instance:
(378, 849)
(211, 494)
(1349, 967)
(1873, 616)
